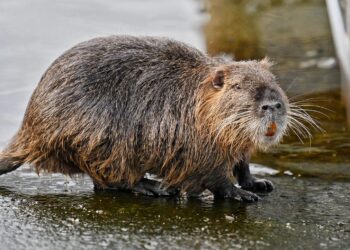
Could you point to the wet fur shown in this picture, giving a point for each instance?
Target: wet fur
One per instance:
(118, 107)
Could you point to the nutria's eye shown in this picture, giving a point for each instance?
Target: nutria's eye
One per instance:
(236, 86)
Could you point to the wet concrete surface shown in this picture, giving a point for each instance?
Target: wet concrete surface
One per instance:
(51, 213)
(56, 212)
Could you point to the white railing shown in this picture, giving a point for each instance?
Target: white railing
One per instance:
(340, 25)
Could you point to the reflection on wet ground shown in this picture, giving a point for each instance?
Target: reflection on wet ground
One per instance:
(301, 213)
(54, 212)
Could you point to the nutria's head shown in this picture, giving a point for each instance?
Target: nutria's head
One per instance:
(241, 104)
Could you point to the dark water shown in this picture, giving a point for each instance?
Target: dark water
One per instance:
(309, 208)
(46, 213)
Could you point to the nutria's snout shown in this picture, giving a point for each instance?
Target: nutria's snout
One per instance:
(271, 113)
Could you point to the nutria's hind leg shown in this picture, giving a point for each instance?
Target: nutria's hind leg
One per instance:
(154, 188)
(145, 187)
(248, 182)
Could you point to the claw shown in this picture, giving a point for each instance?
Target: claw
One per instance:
(247, 196)
(258, 185)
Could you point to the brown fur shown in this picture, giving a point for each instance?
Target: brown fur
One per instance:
(118, 107)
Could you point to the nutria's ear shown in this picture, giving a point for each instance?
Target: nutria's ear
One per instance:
(218, 79)
(266, 63)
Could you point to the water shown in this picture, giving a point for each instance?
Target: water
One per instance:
(309, 208)
(48, 213)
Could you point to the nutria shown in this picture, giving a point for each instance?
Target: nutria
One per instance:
(119, 107)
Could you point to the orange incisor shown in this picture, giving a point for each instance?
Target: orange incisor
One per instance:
(271, 130)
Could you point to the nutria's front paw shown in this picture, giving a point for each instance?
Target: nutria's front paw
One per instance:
(257, 185)
(234, 193)
(243, 195)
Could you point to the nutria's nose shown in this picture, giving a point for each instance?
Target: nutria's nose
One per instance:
(271, 105)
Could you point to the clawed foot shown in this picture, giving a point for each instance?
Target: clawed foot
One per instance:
(257, 185)
(238, 194)
(243, 195)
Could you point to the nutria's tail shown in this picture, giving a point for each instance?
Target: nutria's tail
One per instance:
(8, 163)
(13, 156)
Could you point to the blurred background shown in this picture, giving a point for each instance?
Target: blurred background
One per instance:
(309, 208)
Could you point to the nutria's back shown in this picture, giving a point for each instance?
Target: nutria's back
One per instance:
(135, 74)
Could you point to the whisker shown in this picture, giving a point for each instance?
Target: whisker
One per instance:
(299, 106)
(316, 111)
(307, 118)
(292, 128)
(301, 126)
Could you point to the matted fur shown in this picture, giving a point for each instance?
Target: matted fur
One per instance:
(118, 107)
